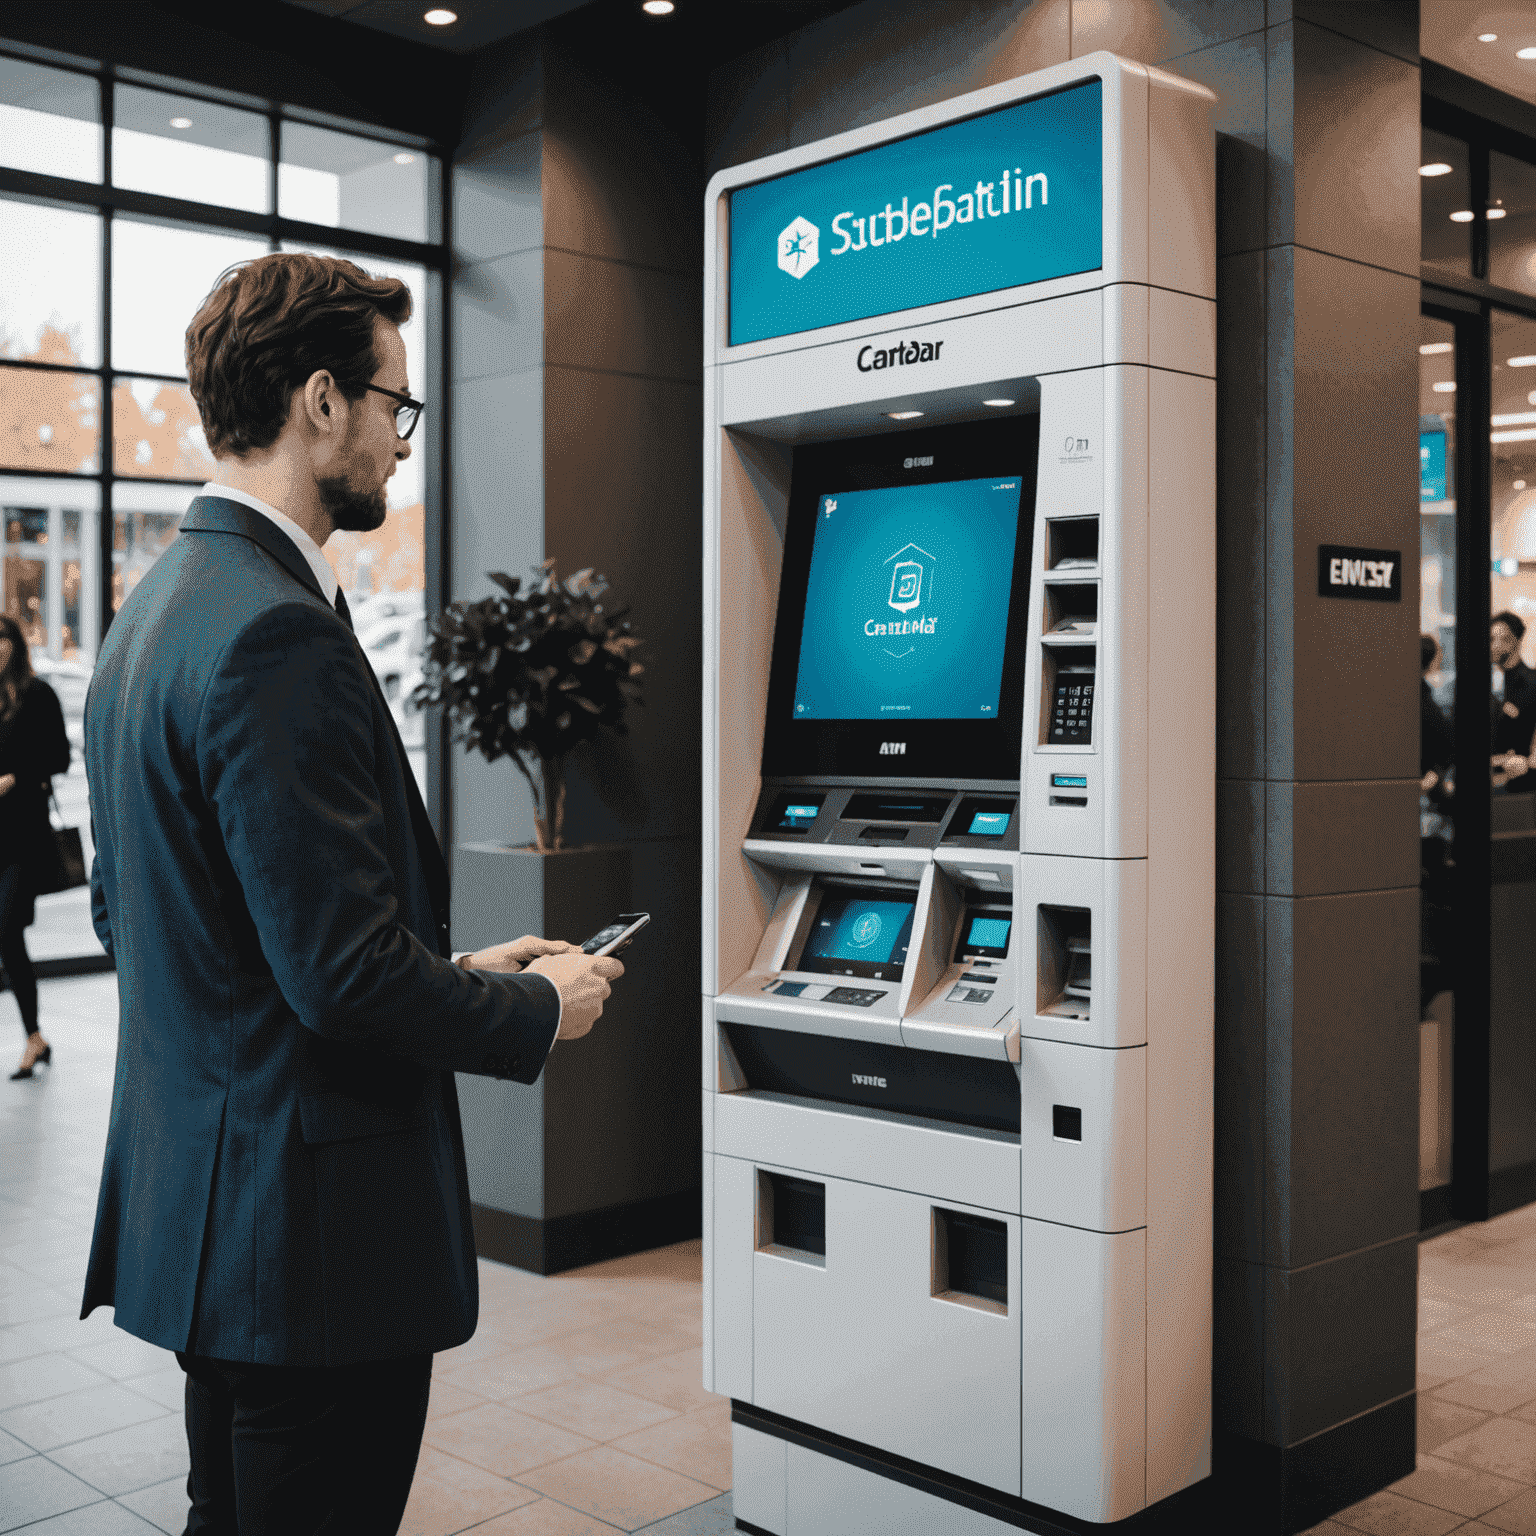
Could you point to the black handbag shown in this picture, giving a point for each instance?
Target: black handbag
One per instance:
(68, 867)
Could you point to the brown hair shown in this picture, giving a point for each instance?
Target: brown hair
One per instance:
(267, 326)
(18, 672)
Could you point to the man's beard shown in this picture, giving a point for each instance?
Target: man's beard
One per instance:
(351, 510)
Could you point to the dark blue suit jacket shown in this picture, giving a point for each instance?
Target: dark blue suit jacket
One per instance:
(284, 1160)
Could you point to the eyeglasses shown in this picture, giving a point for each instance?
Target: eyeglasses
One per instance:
(407, 413)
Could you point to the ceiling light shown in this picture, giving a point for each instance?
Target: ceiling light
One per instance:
(1531, 398)
(1525, 53)
(181, 122)
(1444, 387)
(1462, 216)
(1519, 485)
(1438, 168)
(1514, 419)
(1496, 213)
(1430, 348)
(440, 18)
(658, 7)
(998, 403)
(903, 415)
(1487, 37)
(1518, 435)
(1508, 566)
(404, 159)
(1523, 362)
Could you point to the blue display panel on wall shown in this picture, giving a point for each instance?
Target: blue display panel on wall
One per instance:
(1432, 466)
(1012, 197)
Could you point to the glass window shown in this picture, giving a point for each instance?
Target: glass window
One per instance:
(1512, 436)
(50, 296)
(181, 147)
(1511, 223)
(156, 432)
(50, 420)
(145, 522)
(351, 183)
(50, 121)
(1445, 190)
(161, 273)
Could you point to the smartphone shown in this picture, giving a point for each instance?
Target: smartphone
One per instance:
(617, 935)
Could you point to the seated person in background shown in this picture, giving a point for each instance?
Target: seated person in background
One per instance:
(1512, 708)
(1437, 746)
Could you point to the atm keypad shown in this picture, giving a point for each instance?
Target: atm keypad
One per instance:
(855, 995)
(1072, 711)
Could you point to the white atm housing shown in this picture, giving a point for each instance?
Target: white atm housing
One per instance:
(1080, 1384)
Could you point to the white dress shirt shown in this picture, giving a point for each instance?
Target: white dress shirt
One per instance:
(327, 579)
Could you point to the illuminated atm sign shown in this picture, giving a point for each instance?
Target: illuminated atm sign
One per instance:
(1013, 197)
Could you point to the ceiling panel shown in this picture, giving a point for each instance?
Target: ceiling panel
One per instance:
(1449, 33)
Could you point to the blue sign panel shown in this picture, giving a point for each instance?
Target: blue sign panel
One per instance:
(1013, 197)
(1432, 466)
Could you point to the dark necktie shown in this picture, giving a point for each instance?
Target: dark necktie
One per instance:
(342, 609)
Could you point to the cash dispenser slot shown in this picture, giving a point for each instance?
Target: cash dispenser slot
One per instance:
(933, 1085)
(1071, 608)
(1065, 950)
(970, 1260)
(792, 1217)
(1072, 544)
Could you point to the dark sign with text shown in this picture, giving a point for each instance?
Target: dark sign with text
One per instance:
(1367, 575)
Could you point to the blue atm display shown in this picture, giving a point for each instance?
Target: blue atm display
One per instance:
(1012, 197)
(988, 933)
(859, 935)
(1432, 479)
(906, 608)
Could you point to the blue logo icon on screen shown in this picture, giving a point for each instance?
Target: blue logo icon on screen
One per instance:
(906, 584)
(799, 247)
(865, 930)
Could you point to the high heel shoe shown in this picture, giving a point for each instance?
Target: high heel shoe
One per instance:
(44, 1056)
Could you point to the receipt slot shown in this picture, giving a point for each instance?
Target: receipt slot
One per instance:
(959, 811)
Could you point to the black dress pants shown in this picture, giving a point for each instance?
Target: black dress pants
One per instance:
(297, 1451)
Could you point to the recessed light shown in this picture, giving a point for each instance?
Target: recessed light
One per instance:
(1462, 216)
(1430, 348)
(1531, 398)
(1444, 388)
(1438, 168)
(908, 415)
(1519, 485)
(1522, 362)
(1508, 566)
(1496, 213)
(1513, 419)
(1525, 53)
(1487, 37)
(404, 159)
(440, 18)
(658, 7)
(998, 403)
(181, 122)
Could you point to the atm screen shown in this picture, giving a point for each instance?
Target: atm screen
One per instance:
(899, 644)
(906, 609)
(985, 933)
(860, 933)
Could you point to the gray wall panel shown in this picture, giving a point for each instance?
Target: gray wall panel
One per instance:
(1390, 25)
(496, 199)
(1243, 1107)
(498, 315)
(620, 318)
(1322, 839)
(1155, 30)
(1240, 835)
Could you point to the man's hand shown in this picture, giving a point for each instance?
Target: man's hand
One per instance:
(583, 982)
(514, 956)
(7, 782)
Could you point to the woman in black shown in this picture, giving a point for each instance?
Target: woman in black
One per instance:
(33, 747)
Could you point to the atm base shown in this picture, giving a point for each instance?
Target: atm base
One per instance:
(826, 1485)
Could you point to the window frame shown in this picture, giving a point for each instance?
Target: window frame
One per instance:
(433, 256)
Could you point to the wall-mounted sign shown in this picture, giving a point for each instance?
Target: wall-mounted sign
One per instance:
(1432, 466)
(1014, 196)
(1368, 575)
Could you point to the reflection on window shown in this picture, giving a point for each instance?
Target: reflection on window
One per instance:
(49, 420)
(145, 522)
(1513, 442)
(1511, 223)
(160, 276)
(351, 183)
(48, 572)
(181, 147)
(50, 292)
(1445, 190)
(156, 432)
(50, 122)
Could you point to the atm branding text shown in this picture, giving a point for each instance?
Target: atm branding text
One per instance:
(893, 749)
(872, 359)
(869, 1082)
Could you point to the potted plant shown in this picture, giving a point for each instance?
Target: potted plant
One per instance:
(531, 674)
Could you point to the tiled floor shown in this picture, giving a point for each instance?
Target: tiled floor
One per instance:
(575, 1410)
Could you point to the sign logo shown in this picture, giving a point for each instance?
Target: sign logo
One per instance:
(866, 930)
(922, 463)
(893, 749)
(1367, 575)
(799, 243)
(868, 1082)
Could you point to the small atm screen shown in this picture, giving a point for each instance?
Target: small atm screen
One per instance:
(985, 934)
(906, 606)
(988, 824)
(860, 933)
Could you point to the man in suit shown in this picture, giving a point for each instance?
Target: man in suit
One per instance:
(1512, 710)
(284, 1200)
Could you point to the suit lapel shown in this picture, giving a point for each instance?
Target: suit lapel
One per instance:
(215, 514)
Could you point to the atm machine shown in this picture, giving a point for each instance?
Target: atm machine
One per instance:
(959, 812)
